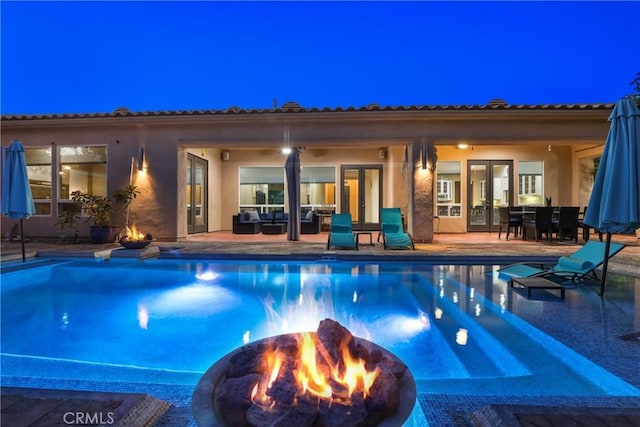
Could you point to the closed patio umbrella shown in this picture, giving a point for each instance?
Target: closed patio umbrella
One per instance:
(292, 172)
(614, 206)
(17, 201)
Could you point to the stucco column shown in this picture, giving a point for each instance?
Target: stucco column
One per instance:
(421, 203)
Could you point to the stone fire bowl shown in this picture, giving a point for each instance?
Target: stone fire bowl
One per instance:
(134, 244)
(205, 412)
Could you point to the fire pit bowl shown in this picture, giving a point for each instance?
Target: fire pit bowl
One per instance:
(207, 414)
(135, 244)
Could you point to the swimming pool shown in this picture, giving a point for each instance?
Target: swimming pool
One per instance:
(168, 321)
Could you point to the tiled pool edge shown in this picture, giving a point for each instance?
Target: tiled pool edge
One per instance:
(435, 409)
(455, 410)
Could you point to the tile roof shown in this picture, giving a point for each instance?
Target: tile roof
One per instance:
(293, 107)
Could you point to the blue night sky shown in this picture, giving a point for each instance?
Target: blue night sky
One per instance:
(86, 57)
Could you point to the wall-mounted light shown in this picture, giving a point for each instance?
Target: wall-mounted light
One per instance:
(140, 159)
(286, 150)
(549, 147)
(428, 156)
(423, 155)
(463, 146)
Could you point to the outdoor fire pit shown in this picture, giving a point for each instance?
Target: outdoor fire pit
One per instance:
(134, 239)
(326, 378)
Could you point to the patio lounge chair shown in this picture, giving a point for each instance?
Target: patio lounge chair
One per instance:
(341, 234)
(583, 262)
(393, 235)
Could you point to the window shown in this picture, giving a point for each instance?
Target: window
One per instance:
(318, 187)
(530, 183)
(448, 189)
(262, 189)
(82, 168)
(39, 172)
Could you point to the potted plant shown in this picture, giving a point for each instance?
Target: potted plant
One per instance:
(68, 218)
(100, 210)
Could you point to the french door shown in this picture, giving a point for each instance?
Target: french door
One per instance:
(362, 195)
(196, 194)
(489, 186)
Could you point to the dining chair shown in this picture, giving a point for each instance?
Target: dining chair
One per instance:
(509, 221)
(586, 229)
(540, 223)
(566, 226)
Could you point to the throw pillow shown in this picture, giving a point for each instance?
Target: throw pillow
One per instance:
(253, 216)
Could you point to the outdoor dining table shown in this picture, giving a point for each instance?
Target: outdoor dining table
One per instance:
(528, 213)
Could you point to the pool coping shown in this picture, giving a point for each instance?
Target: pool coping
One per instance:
(33, 406)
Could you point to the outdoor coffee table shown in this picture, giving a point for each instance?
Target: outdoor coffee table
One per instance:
(277, 228)
(530, 283)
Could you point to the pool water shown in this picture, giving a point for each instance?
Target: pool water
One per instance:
(179, 317)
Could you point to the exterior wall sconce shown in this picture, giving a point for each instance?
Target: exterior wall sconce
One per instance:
(423, 155)
(140, 159)
(428, 156)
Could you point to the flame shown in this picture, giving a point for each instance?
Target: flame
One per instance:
(308, 373)
(274, 360)
(356, 376)
(329, 381)
(133, 235)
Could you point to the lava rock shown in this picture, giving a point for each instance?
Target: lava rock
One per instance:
(233, 399)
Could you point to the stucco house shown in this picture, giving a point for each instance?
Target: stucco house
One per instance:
(196, 169)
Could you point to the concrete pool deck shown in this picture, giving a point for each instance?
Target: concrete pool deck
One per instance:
(225, 243)
(605, 330)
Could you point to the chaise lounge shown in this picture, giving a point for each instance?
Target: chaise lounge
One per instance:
(341, 234)
(576, 266)
(393, 235)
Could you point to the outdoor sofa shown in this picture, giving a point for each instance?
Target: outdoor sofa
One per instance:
(250, 222)
(310, 223)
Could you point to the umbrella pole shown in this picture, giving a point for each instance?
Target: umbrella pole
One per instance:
(22, 240)
(607, 245)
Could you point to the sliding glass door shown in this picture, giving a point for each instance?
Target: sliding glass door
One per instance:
(362, 195)
(489, 186)
(196, 194)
